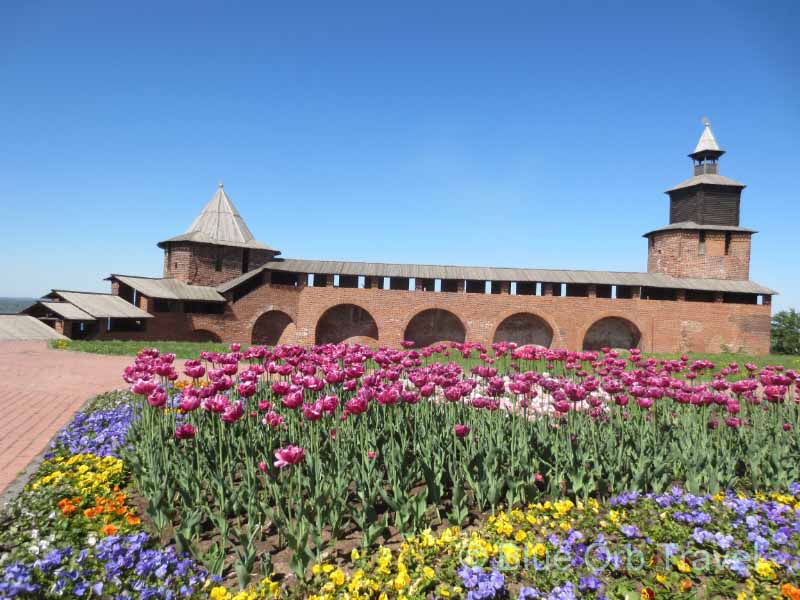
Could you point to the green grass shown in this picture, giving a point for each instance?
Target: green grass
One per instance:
(787, 360)
(193, 349)
(132, 348)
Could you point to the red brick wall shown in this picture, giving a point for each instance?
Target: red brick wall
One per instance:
(665, 326)
(677, 253)
(196, 263)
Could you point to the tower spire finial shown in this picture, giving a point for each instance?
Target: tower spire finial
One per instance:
(221, 184)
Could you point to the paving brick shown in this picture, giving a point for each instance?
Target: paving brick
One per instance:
(40, 390)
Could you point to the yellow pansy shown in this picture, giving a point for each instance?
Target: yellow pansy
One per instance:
(765, 569)
(511, 554)
(219, 593)
(337, 577)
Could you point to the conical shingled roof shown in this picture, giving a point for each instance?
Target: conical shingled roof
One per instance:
(707, 141)
(707, 147)
(219, 223)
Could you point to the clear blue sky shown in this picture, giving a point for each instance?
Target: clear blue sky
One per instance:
(510, 134)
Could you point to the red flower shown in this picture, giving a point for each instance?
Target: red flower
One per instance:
(461, 430)
(185, 432)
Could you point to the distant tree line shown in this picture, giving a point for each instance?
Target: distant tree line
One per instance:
(786, 332)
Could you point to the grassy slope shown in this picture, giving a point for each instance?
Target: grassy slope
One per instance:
(193, 349)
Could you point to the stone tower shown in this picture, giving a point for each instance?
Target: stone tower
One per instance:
(217, 247)
(703, 238)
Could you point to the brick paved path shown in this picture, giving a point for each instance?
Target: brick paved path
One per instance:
(40, 390)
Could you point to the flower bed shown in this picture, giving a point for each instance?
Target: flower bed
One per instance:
(73, 532)
(305, 461)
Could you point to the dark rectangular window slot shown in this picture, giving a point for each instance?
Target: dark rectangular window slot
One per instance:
(603, 291)
(218, 260)
(348, 281)
(699, 296)
(738, 298)
(204, 308)
(727, 243)
(624, 292)
(651, 293)
(475, 287)
(245, 260)
(425, 284)
(126, 324)
(285, 278)
(161, 305)
(577, 290)
(398, 283)
(449, 285)
(526, 288)
(495, 287)
(701, 249)
(320, 280)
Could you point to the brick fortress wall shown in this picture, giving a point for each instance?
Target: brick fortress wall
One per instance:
(664, 326)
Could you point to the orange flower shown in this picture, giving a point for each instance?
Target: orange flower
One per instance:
(686, 585)
(109, 529)
(790, 591)
(133, 520)
(90, 513)
(66, 506)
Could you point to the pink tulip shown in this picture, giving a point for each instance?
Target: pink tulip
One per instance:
(185, 432)
(461, 430)
(215, 404)
(281, 388)
(329, 403)
(190, 400)
(562, 406)
(157, 398)
(372, 455)
(143, 387)
(293, 400)
(273, 419)
(233, 412)
(288, 456)
(312, 412)
(247, 389)
(356, 406)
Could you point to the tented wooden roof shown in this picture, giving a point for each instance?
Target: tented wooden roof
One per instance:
(170, 289)
(220, 224)
(101, 305)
